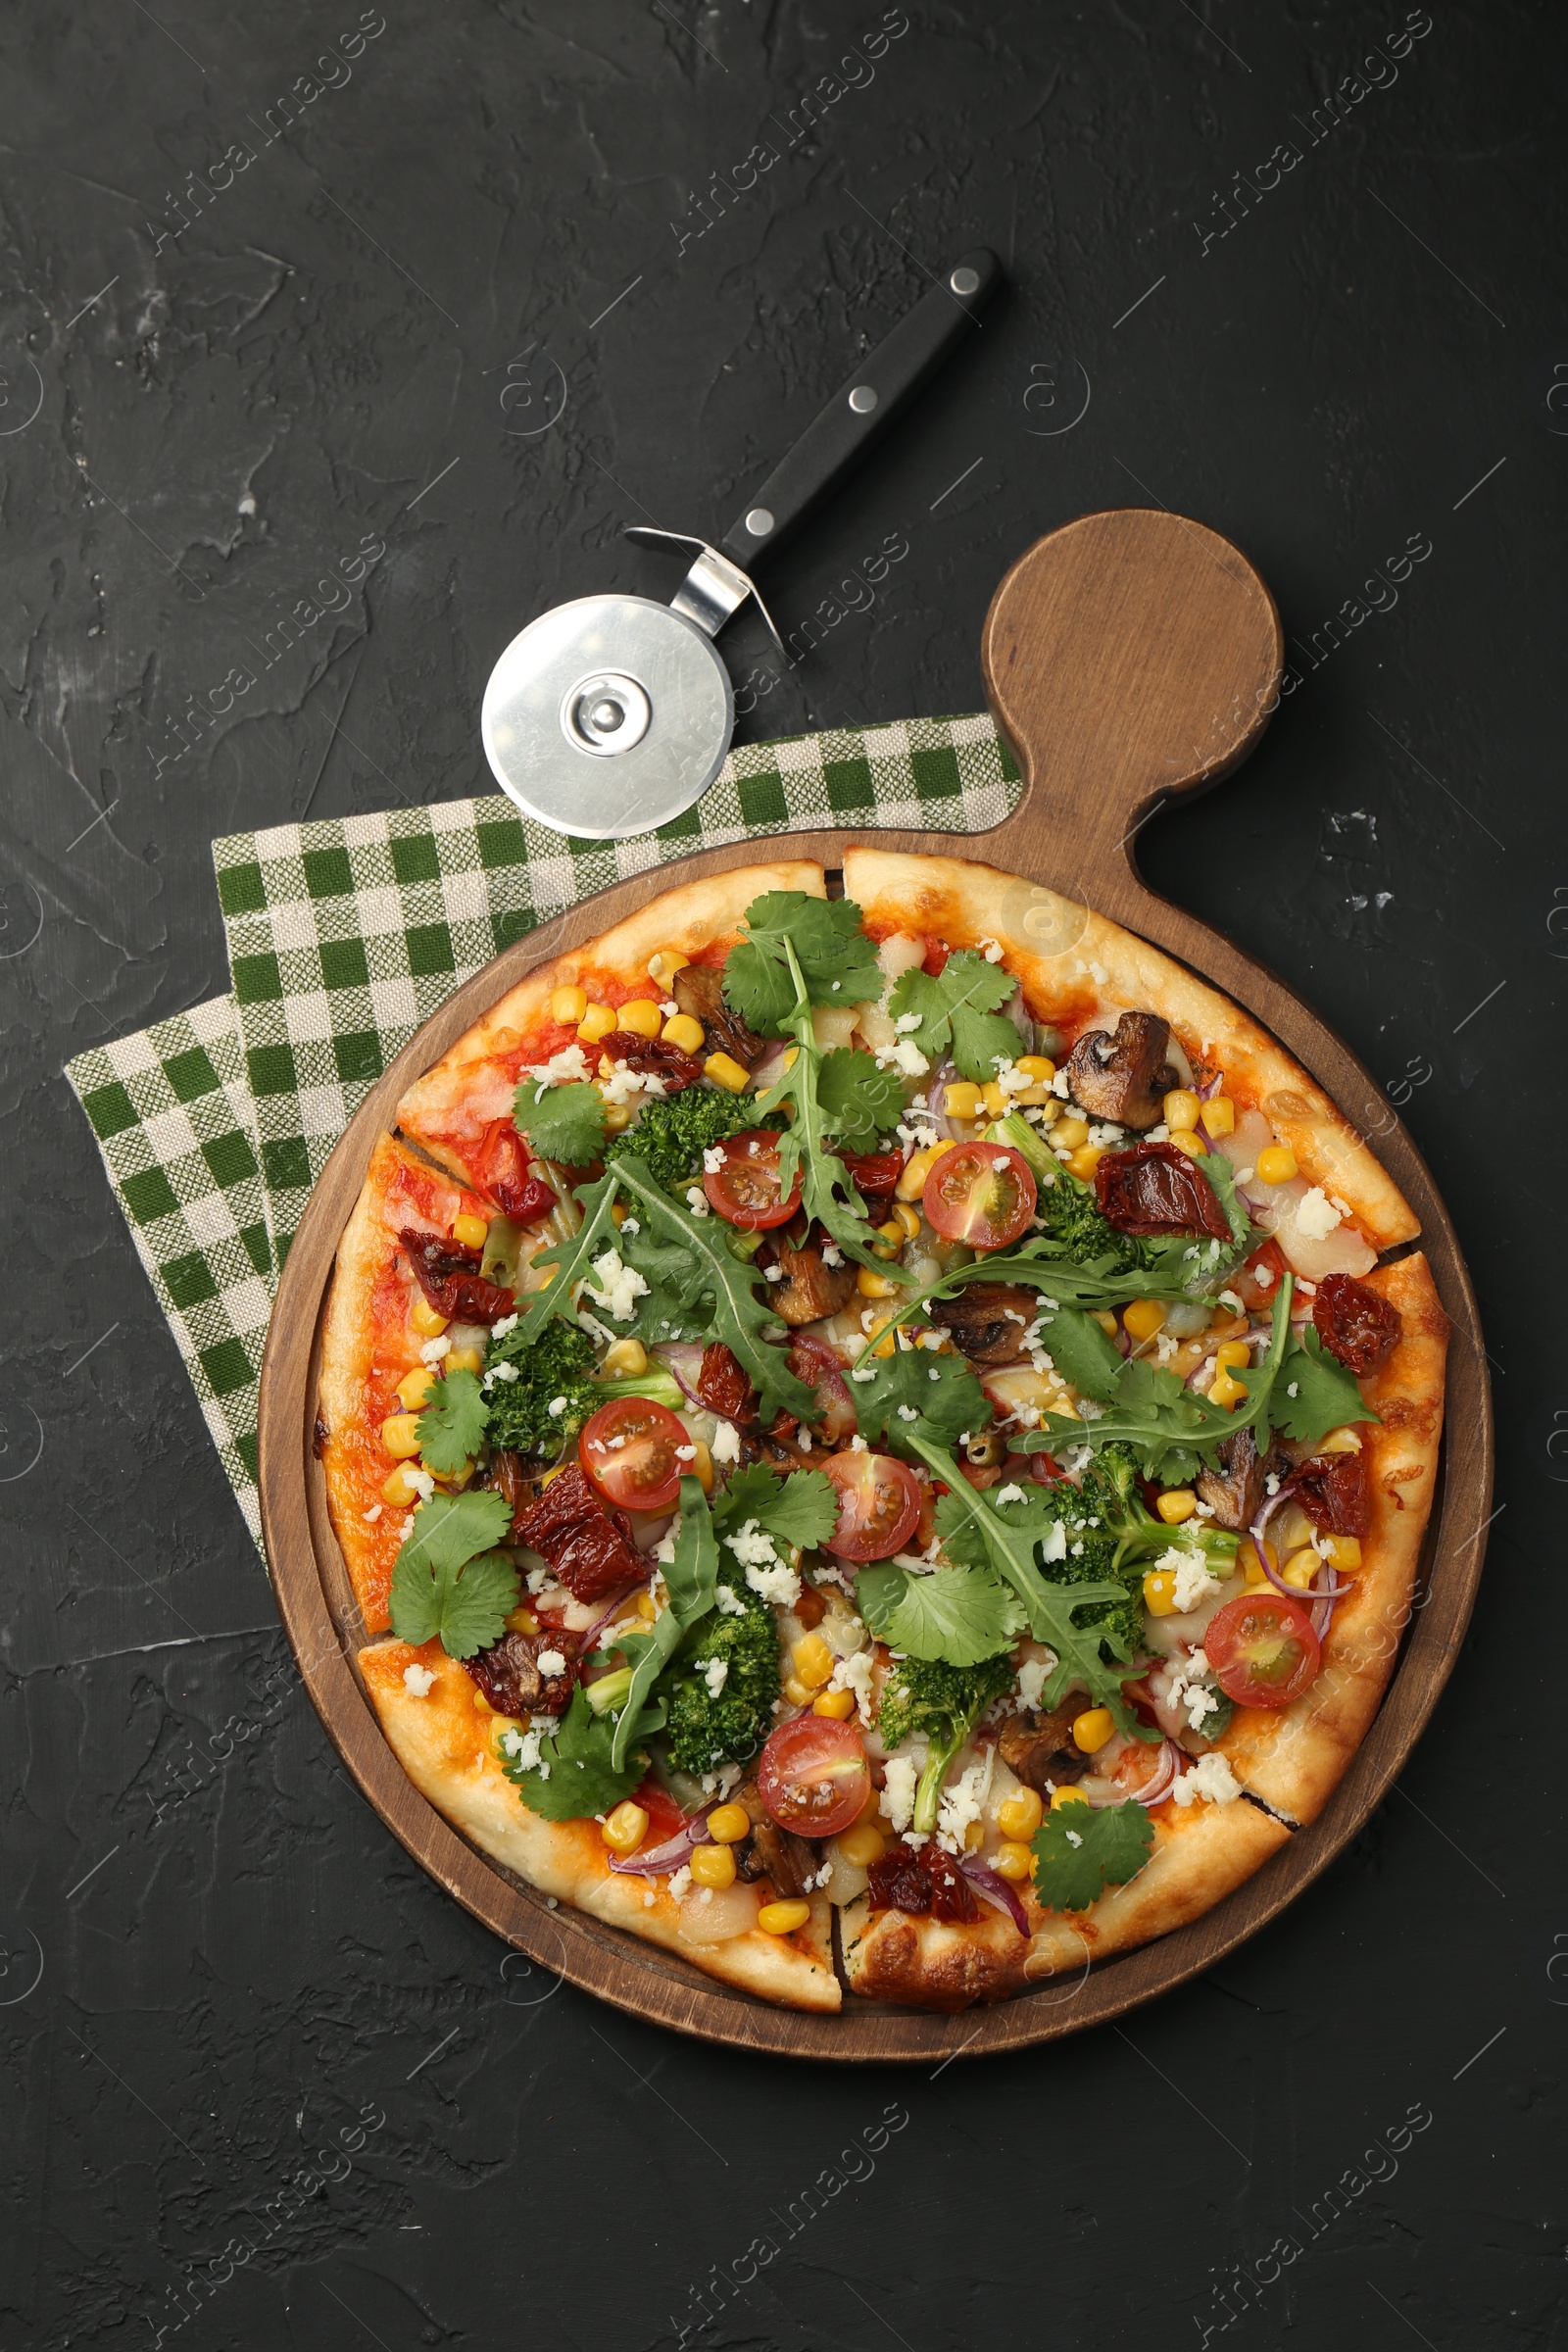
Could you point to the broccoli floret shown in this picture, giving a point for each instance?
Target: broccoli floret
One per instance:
(1111, 1493)
(1093, 1555)
(673, 1131)
(927, 1694)
(706, 1728)
(555, 1368)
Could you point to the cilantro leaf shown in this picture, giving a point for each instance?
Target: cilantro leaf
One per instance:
(578, 1775)
(799, 1509)
(912, 1391)
(562, 1123)
(958, 1614)
(439, 1585)
(836, 960)
(858, 1100)
(1081, 1353)
(1080, 1852)
(758, 988)
(1325, 1393)
(959, 1010)
(570, 1261)
(452, 1422)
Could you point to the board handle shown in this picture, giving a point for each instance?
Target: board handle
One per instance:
(1129, 657)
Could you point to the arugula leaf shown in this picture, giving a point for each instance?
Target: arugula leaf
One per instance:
(571, 1260)
(958, 1614)
(673, 1306)
(836, 960)
(582, 1778)
(858, 1100)
(1080, 1852)
(689, 1580)
(452, 1422)
(562, 1123)
(960, 1009)
(1081, 1353)
(800, 1510)
(439, 1585)
(735, 1313)
(913, 1391)
(1314, 1393)
(1221, 1175)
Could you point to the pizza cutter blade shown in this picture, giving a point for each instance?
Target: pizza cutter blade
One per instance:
(612, 714)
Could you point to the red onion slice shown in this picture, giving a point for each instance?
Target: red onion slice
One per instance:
(992, 1889)
(1324, 1599)
(657, 1861)
(936, 1089)
(615, 1608)
(684, 1358)
(1172, 1761)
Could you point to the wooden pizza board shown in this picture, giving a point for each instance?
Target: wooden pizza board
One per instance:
(1130, 658)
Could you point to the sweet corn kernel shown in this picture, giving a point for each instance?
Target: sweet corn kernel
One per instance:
(974, 1837)
(1012, 1861)
(813, 1660)
(840, 1705)
(1062, 1797)
(545, 1276)
(725, 1071)
(1219, 1115)
(618, 1117)
(863, 1844)
(1232, 1355)
(399, 1490)
(597, 1023)
(426, 1322)
(1301, 1568)
(1021, 1814)
(1342, 1551)
(1106, 1321)
(1250, 1564)
(713, 1866)
(618, 1212)
(522, 1620)
(886, 1346)
(1038, 1068)
(893, 1231)
(463, 1360)
(917, 1167)
(1069, 1132)
(796, 1692)
(729, 1824)
(782, 1919)
(908, 1218)
(876, 1286)
(1226, 1392)
(1181, 1108)
(400, 1435)
(1159, 1592)
(1176, 1504)
(413, 1385)
(683, 1029)
(995, 1096)
(700, 1466)
(624, 1359)
(624, 1828)
(481, 1705)
(1083, 1162)
(567, 1006)
(1185, 1139)
(470, 1230)
(1092, 1729)
(1144, 1317)
(663, 967)
(642, 1017)
(960, 1099)
(1276, 1164)
(1340, 1441)
(555, 1473)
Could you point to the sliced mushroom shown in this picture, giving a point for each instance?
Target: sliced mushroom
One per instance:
(1235, 1491)
(770, 1852)
(699, 989)
(1124, 1078)
(809, 1289)
(987, 1320)
(1046, 1750)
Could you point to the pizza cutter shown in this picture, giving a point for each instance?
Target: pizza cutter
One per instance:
(612, 714)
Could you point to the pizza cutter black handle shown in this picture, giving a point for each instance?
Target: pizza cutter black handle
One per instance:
(883, 384)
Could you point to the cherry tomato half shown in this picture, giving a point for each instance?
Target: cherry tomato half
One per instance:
(631, 1449)
(982, 1194)
(1262, 1649)
(879, 1504)
(746, 1189)
(814, 1777)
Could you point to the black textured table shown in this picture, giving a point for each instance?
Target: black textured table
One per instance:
(486, 283)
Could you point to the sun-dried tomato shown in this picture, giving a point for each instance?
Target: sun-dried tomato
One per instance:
(927, 1882)
(875, 1175)
(647, 1054)
(1355, 1323)
(1333, 1493)
(1258, 1282)
(1155, 1189)
(502, 1168)
(448, 1273)
(722, 1386)
(509, 1673)
(585, 1544)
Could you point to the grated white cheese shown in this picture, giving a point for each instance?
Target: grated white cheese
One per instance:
(713, 1158)
(1190, 1580)
(619, 1286)
(1316, 1215)
(420, 1679)
(853, 1673)
(1003, 1493)
(680, 1879)
(1031, 1682)
(500, 1330)
(697, 1201)
(568, 1067)
(433, 1350)
(373, 1513)
(726, 1445)
(897, 1791)
(1211, 1778)
(832, 1255)
(964, 1801)
(421, 1481)
(729, 1603)
(551, 1661)
(904, 1055)
(1055, 1547)
(714, 1673)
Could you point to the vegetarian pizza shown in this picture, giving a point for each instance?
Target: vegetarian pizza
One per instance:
(876, 1449)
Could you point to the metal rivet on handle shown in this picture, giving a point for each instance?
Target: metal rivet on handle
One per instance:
(965, 282)
(862, 400)
(759, 522)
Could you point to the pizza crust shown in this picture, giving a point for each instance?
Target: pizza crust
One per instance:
(1294, 1757)
(444, 1744)
(1076, 966)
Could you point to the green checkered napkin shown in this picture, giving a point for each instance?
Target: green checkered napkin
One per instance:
(344, 936)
